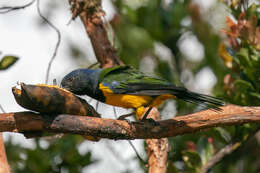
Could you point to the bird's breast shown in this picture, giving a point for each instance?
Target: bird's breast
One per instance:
(124, 100)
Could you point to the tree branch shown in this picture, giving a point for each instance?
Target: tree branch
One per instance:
(120, 129)
(90, 13)
(228, 149)
(57, 45)
(223, 152)
(4, 166)
(157, 149)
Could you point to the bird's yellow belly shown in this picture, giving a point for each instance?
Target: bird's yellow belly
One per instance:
(160, 99)
(132, 101)
(127, 101)
(124, 100)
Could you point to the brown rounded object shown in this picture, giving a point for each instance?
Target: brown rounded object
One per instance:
(51, 99)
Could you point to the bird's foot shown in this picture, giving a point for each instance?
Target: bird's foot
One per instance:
(123, 117)
(147, 113)
(151, 121)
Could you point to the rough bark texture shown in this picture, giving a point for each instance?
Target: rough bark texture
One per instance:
(90, 13)
(157, 149)
(105, 53)
(106, 56)
(4, 166)
(121, 129)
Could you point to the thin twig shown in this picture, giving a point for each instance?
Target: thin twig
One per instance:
(227, 150)
(136, 152)
(7, 9)
(115, 114)
(97, 104)
(109, 28)
(116, 154)
(2, 109)
(92, 65)
(57, 44)
(131, 144)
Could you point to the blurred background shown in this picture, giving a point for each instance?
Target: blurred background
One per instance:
(178, 40)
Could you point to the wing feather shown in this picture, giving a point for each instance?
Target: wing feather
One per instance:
(127, 80)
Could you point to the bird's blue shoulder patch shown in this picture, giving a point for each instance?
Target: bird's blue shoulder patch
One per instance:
(111, 85)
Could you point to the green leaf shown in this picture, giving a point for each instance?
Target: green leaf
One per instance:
(256, 95)
(7, 62)
(192, 160)
(171, 168)
(244, 57)
(252, 10)
(205, 149)
(243, 131)
(243, 85)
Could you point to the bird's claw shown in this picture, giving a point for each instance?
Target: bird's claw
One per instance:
(123, 117)
(151, 121)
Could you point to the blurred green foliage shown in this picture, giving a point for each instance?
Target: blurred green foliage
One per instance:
(55, 156)
(141, 25)
(162, 23)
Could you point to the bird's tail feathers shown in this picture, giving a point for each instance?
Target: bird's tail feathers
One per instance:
(180, 92)
(198, 99)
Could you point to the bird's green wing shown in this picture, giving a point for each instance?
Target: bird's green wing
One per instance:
(127, 80)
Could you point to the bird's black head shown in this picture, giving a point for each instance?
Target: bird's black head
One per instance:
(82, 81)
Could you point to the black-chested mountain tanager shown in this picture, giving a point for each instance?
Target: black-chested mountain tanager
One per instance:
(127, 87)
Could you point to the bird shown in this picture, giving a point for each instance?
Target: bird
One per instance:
(127, 87)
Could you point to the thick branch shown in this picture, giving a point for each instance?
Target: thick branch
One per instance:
(90, 13)
(120, 129)
(105, 53)
(106, 56)
(4, 166)
(157, 149)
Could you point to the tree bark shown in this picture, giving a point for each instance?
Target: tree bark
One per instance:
(4, 166)
(121, 129)
(107, 57)
(90, 13)
(157, 149)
